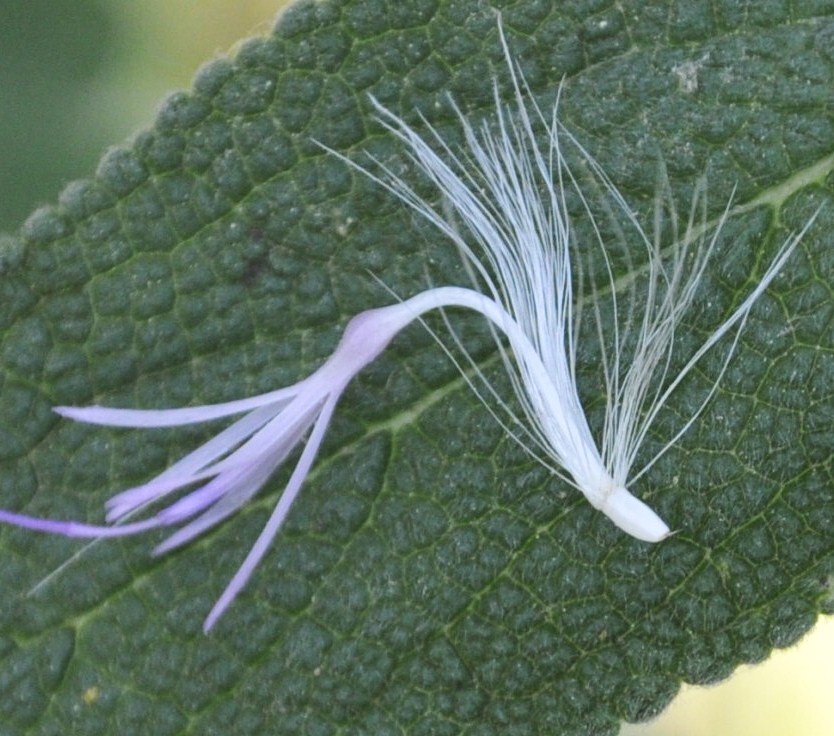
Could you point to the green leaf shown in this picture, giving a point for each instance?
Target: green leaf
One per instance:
(432, 578)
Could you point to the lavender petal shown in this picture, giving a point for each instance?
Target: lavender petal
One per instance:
(140, 418)
(74, 528)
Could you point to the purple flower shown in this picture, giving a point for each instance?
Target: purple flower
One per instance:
(232, 467)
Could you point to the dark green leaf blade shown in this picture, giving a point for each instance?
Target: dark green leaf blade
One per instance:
(431, 578)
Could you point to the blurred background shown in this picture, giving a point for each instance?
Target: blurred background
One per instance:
(79, 75)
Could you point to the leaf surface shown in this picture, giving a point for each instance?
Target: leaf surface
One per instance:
(432, 578)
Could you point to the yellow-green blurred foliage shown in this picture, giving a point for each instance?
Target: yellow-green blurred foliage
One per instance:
(79, 75)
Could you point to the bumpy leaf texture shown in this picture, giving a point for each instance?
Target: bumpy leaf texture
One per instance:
(432, 578)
